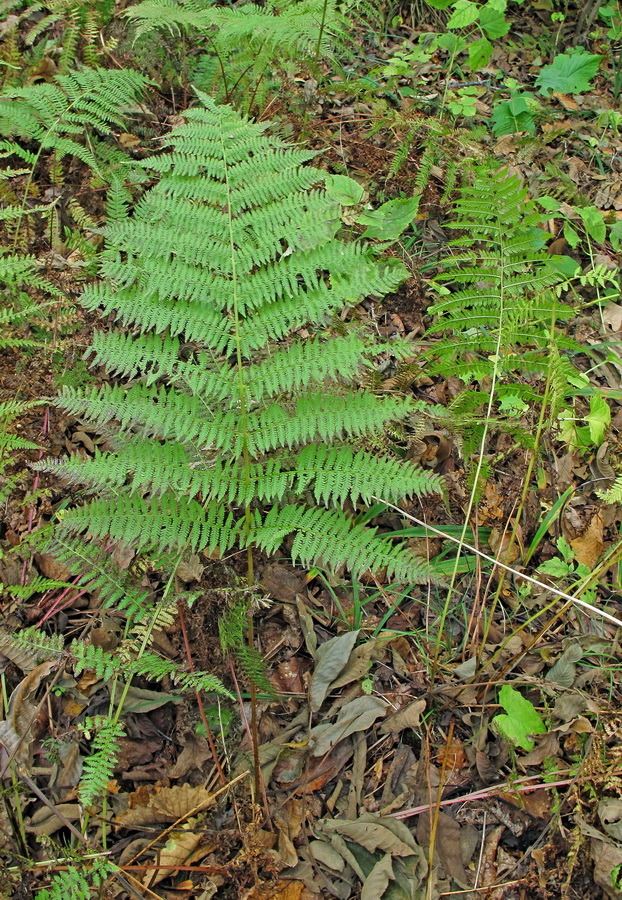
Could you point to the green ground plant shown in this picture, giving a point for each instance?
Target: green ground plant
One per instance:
(257, 438)
(69, 118)
(246, 48)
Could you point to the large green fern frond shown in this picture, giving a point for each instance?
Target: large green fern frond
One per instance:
(233, 250)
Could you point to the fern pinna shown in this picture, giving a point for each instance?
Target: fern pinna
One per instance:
(231, 428)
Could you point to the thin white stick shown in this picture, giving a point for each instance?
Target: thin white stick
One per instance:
(495, 562)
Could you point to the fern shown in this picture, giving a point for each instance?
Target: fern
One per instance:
(126, 662)
(239, 243)
(99, 766)
(93, 569)
(497, 299)
(614, 493)
(56, 115)
(247, 44)
(232, 627)
(9, 442)
(71, 116)
(75, 883)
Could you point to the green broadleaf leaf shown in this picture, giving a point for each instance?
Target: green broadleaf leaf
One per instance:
(493, 21)
(521, 719)
(392, 218)
(599, 418)
(511, 116)
(594, 222)
(453, 43)
(554, 567)
(464, 14)
(569, 73)
(615, 235)
(345, 191)
(479, 54)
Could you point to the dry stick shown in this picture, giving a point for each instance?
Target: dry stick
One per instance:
(437, 809)
(484, 794)
(546, 587)
(254, 739)
(208, 730)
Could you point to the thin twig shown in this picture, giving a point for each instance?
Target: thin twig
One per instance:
(545, 587)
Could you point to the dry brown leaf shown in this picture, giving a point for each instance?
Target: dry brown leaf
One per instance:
(45, 821)
(181, 800)
(409, 717)
(167, 805)
(358, 715)
(566, 101)
(194, 754)
(283, 890)
(607, 857)
(11, 651)
(588, 547)
(177, 850)
(612, 316)
(15, 729)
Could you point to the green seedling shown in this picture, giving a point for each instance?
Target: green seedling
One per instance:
(521, 719)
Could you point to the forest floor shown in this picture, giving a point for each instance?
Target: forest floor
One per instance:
(412, 758)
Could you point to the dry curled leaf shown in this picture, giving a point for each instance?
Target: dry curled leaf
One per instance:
(409, 717)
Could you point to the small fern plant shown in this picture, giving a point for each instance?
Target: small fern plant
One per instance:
(231, 428)
(247, 45)
(498, 308)
(71, 116)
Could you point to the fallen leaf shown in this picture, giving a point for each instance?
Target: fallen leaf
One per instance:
(610, 815)
(15, 730)
(588, 547)
(165, 804)
(607, 859)
(358, 715)
(141, 700)
(378, 879)
(332, 658)
(374, 833)
(195, 752)
(409, 717)
(11, 651)
(45, 821)
(175, 852)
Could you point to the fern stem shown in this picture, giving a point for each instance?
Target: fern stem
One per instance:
(320, 34)
(243, 400)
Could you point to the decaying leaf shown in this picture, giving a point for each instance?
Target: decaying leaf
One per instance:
(381, 851)
(332, 659)
(176, 852)
(378, 879)
(374, 833)
(15, 730)
(409, 717)
(11, 651)
(358, 715)
(166, 805)
(565, 669)
(45, 821)
(195, 752)
(588, 547)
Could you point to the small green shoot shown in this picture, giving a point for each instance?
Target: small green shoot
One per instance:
(521, 720)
